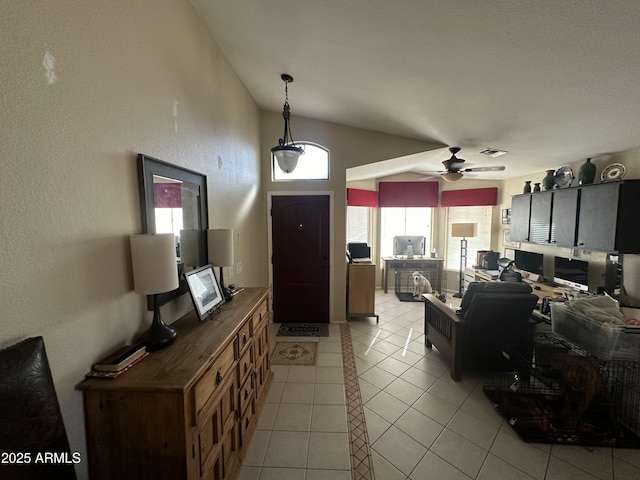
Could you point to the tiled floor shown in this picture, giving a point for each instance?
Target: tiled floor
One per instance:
(420, 424)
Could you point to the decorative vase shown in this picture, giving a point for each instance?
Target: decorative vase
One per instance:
(587, 173)
(527, 187)
(548, 181)
(536, 187)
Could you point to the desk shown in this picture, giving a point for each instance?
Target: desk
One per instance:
(431, 266)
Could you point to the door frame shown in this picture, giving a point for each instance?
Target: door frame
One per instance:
(293, 193)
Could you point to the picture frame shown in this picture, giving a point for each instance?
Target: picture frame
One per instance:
(205, 291)
(506, 216)
(506, 240)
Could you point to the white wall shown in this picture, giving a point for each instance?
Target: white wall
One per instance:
(85, 86)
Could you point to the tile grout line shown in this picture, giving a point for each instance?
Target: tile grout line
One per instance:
(361, 461)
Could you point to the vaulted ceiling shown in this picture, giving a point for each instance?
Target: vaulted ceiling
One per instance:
(550, 81)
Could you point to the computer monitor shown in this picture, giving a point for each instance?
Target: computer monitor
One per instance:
(408, 245)
(571, 273)
(529, 262)
(358, 250)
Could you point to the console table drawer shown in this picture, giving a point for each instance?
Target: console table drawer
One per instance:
(210, 383)
(244, 337)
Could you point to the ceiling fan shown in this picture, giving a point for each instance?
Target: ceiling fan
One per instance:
(454, 170)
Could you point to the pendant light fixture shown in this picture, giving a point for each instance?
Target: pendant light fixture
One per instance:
(287, 153)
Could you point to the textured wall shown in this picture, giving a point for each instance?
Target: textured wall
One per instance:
(84, 87)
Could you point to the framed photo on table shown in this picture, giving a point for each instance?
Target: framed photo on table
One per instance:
(204, 290)
(506, 240)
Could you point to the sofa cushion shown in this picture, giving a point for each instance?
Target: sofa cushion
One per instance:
(490, 287)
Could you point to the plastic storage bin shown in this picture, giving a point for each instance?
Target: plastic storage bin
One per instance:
(607, 342)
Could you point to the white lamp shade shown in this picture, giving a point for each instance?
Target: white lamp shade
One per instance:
(220, 243)
(153, 257)
(463, 229)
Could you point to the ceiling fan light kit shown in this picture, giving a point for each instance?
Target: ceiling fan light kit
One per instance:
(287, 152)
(454, 170)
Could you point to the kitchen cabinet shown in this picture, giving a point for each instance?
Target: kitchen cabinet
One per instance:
(603, 217)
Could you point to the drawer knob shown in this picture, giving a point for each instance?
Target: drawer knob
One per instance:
(218, 378)
(244, 338)
(246, 394)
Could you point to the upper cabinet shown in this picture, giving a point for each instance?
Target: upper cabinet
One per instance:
(604, 216)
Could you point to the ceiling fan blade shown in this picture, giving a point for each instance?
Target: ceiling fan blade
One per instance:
(484, 169)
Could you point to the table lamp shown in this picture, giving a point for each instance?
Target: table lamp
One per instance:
(463, 230)
(220, 245)
(155, 271)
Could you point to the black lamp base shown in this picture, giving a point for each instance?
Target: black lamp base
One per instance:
(159, 334)
(225, 291)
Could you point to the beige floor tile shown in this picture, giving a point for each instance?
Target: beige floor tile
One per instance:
(294, 417)
(298, 393)
(329, 394)
(329, 418)
(399, 449)
(302, 373)
(457, 450)
(272, 473)
(287, 449)
(432, 466)
(328, 474)
(328, 451)
(419, 427)
(387, 406)
(330, 375)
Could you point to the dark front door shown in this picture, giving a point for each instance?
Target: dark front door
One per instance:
(300, 239)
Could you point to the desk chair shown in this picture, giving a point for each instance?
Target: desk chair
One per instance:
(492, 315)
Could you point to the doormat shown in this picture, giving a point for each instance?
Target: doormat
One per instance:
(537, 418)
(407, 297)
(294, 353)
(303, 330)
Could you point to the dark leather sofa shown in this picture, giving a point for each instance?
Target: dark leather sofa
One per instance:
(494, 318)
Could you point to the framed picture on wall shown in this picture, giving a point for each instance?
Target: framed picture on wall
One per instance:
(506, 240)
(506, 216)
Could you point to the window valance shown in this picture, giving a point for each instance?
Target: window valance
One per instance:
(474, 197)
(361, 198)
(408, 194)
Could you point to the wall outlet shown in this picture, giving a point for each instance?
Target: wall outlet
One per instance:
(239, 267)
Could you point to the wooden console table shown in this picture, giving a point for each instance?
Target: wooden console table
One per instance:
(187, 411)
(424, 264)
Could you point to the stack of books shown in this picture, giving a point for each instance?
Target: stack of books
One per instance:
(118, 362)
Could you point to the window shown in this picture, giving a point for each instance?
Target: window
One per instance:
(482, 241)
(403, 221)
(313, 165)
(358, 224)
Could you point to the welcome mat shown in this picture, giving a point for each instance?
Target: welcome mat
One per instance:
(303, 330)
(294, 353)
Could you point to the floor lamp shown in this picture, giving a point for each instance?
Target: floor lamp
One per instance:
(463, 230)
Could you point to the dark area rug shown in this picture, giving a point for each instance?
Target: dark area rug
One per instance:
(407, 297)
(537, 418)
(303, 330)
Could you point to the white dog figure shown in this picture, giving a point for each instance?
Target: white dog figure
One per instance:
(420, 284)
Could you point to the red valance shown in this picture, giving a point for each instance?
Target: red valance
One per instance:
(361, 198)
(408, 194)
(167, 195)
(469, 198)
